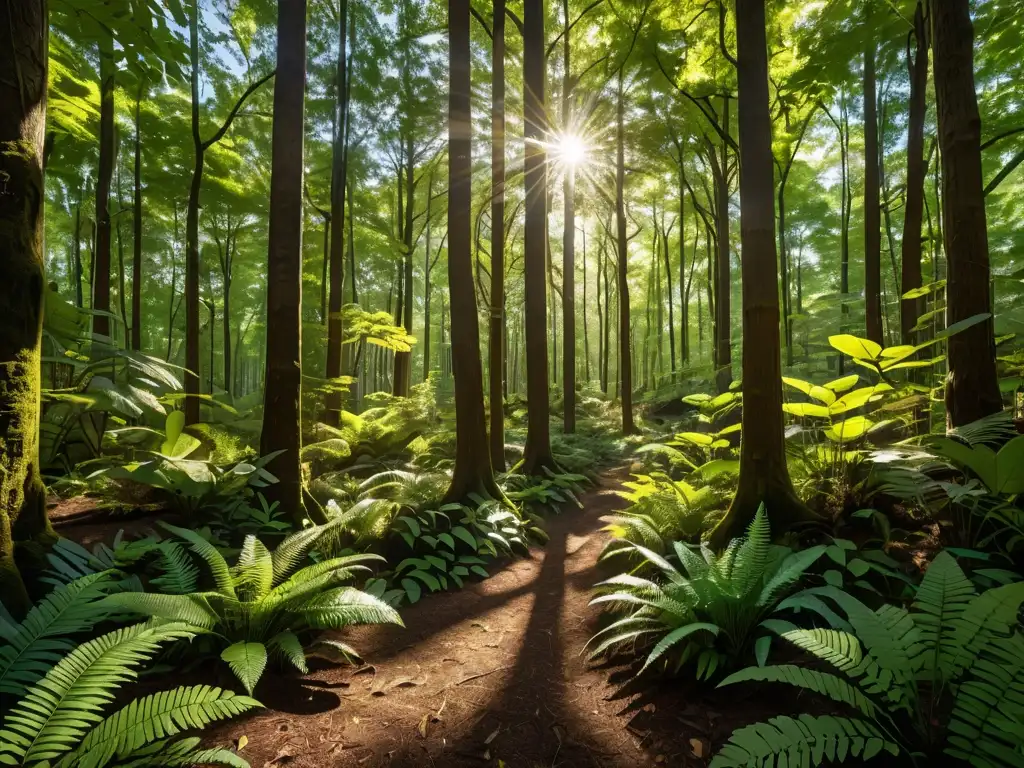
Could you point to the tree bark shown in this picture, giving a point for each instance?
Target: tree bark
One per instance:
(282, 427)
(23, 78)
(537, 452)
(910, 274)
(723, 279)
(972, 388)
(137, 242)
(568, 246)
(872, 205)
(472, 473)
(339, 176)
(496, 340)
(101, 263)
(764, 477)
(625, 358)
(668, 294)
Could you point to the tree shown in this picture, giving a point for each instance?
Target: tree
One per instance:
(764, 477)
(622, 246)
(872, 204)
(101, 264)
(282, 423)
(339, 176)
(910, 276)
(537, 453)
(972, 388)
(200, 148)
(23, 79)
(473, 473)
(496, 340)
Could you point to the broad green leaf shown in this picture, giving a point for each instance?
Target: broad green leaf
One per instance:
(856, 347)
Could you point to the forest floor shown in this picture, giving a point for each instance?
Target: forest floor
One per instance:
(491, 675)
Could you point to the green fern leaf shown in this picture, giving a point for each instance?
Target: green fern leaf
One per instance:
(194, 609)
(676, 636)
(289, 646)
(247, 661)
(156, 717)
(344, 606)
(42, 639)
(805, 740)
(253, 575)
(823, 683)
(941, 600)
(56, 712)
(840, 649)
(990, 614)
(180, 575)
(215, 560)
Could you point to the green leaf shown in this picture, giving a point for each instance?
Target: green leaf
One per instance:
(465, 535)
(856, 347)
(412, 589)
(247, 661)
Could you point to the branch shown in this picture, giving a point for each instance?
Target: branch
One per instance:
(515, 19)
(1000, 136)
(483, 22)
(721, 35)
(709, 114)
(234, 111)
(1009, 168)
(578, 19)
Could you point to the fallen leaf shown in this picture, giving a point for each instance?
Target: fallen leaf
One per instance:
(493, 735)
(698, 747)
(423, 725)
(242, 741)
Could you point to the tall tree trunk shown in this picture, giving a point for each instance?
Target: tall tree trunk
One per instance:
(586, 323)
(473, 473)
(23, 77)
(537, 453)
(568, 247)
(192, 236)
(607, 322)
(764, 477)
(910, 277)
(282, 429)
(625, 358)
(972, 389)
(496, 340)
(403, 360)
(339, 176)
(668, 289)
(872, 205)
(122, 298)
(228, 279)
(723, 280)
(137, 241)
(101, 264)
(78, 251)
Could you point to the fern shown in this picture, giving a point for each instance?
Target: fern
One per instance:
(157, 716)
(899, 662)
(44, 636)
(803, 740)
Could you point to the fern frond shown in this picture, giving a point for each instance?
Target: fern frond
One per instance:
(840, 649)
(154, 717)
(180, 575)
(823, 683)
(941, 600)
(253, 575)
(987, 723)
(752, 554)
(990, 614)
(57, 711)
(805, 740)
(676, 636)
(788, 572)
(288, 645)
(214, 559)
(43, 638)
(694, 565)
(193, 609)
(344, 606)
(247, 661)
(182, 753)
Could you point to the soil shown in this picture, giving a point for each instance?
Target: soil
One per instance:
(491, 675)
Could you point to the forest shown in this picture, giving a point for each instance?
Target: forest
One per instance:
(635, 383)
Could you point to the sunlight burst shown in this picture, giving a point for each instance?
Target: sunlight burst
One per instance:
(570, 149)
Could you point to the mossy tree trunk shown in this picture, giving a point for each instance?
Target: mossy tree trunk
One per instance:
(23, 60)
(473, 473)
(764, 477)
(282, 425)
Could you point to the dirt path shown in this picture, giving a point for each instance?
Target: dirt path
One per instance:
(489, 675)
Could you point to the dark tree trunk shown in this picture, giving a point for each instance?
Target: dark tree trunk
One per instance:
(568, 248)
(723, 279)
(192, 237)
(101, 263)
(972, 388)
(473, 473)
(668, 293)
(496, 341)
(137, 243)
(622, 246)
(764, 477)
(339, 178)
(282, 427)
(607, 322)
(872, 206)
(78, 250)
(910, 277)
(403, 310)
(23, 77)
(537, 453)
(586, 323)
